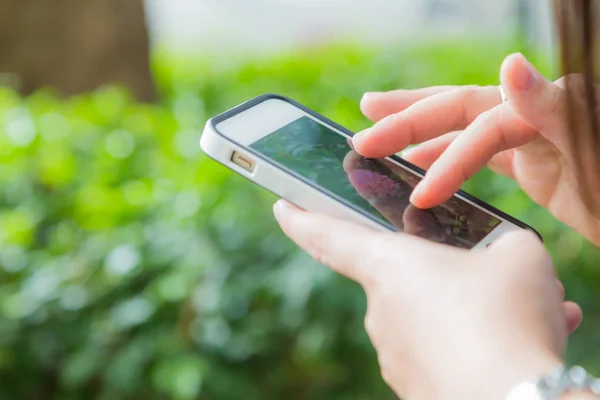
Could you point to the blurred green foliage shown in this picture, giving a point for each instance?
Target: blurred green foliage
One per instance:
(133, 267)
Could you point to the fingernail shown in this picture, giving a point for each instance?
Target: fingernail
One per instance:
(357, 138)
(370, 96)
(278, 209)
(525, 78)
(367, 98)
(416, 193)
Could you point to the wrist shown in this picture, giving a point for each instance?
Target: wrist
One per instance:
(493, 378)
(536, 364)
(562, 383)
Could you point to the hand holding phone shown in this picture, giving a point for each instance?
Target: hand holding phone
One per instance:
(308, 160)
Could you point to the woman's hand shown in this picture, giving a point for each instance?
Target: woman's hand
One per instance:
(447, 323)
(463, 129)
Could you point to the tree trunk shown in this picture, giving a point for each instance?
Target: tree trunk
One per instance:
(75, 45)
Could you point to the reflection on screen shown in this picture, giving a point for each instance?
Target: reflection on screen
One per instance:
(379, 188)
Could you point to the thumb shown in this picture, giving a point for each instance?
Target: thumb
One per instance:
(538, 101)
(359, 253)
(347, 248)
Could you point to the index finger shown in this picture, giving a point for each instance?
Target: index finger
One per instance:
(493, 132)
(427, 119)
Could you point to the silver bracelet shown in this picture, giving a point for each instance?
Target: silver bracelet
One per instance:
(556, 384)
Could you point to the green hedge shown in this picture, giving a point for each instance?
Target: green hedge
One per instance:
(133, 267)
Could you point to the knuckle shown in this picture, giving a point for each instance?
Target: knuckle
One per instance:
(490, 116)
(468, 94)
(465, 96)
(394, 120)
(469, 91)
(403, 127)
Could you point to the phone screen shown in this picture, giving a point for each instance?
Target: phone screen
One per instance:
(379, 188)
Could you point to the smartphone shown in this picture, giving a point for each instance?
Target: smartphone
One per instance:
(309, 160)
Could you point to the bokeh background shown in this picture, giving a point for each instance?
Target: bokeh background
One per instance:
(133, 267)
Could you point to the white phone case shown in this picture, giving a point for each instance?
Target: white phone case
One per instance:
(278, 181)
